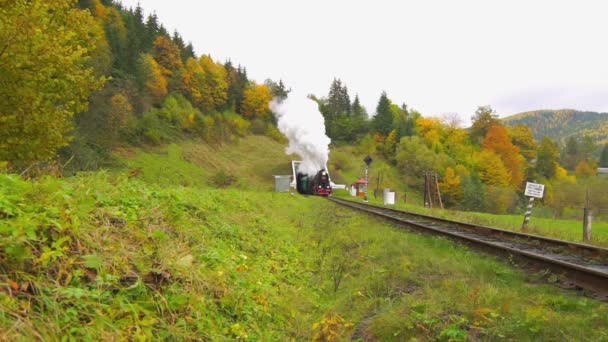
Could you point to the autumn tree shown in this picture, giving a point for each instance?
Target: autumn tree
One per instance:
(214, 87)
(255, 102)
(152, 78)
(121, 114)
(431, 130)
(167, 55)
(491, 169)
(450, 187)
(484, 118)
(45, 78)
(497, 140)
(522, 137)
(583, 170)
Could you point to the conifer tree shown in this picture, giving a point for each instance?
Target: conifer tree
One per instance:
(383, 120)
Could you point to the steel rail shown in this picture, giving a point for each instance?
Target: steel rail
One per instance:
(584, 265)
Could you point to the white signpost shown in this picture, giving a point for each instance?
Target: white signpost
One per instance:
(533, 190)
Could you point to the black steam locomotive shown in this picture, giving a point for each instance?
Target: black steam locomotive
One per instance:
(317, 185)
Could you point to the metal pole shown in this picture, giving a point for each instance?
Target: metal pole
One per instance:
(524, 226)
(366, 183)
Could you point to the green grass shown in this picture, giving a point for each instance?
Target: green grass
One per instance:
(127, 255)
(569, 230)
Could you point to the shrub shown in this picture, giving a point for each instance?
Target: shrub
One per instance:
(222, 179)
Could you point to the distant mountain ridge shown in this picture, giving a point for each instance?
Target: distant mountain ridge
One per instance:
(563, 123)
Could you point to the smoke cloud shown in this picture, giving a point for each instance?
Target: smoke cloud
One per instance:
(299, 119)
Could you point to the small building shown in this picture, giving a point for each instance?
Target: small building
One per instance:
(360, 187)
(281, 183)
(602, 171)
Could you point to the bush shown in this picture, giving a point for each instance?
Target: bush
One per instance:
(500, 200)
(222, 179)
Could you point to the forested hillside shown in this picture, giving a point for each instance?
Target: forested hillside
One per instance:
(83, 78)
(563, 124)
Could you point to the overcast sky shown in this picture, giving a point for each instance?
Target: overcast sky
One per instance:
(436, 56)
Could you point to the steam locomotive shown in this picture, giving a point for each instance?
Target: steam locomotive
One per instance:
(317, 185)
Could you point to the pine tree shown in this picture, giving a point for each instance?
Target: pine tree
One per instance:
(383, 120)
(359, 119)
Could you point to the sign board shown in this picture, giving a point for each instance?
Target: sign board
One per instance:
(534, 190)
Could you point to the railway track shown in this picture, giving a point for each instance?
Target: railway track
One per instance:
(577, 265)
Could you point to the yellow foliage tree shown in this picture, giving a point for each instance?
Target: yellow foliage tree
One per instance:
(193, 79)
(154, 80)
(450, 187)
(561, 174)
(255, 101)
(45, 50)
(491, 169)
(431, 130)
(205, 83)
(497, 140)
(167, 55)
(214, 92)
(583, 170)
(121, 113)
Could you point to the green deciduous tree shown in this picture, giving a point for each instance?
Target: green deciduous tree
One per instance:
(604, 157)
(522, 137)
(484, 118)
(45, 78)
(548, 156)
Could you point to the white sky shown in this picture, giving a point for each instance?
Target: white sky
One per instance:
(436, 56)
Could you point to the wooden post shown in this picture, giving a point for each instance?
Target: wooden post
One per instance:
(438, 192)
(426, 196)
(524, 226)
(588, 217)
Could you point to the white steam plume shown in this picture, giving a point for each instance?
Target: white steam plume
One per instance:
(299, 119)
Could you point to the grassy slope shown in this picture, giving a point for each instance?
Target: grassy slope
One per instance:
(105, 256)
(569, 230)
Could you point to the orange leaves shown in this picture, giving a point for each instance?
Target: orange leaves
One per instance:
(497, 140)
(167, 55)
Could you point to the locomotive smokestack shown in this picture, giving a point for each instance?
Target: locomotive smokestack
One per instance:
(299, 119)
